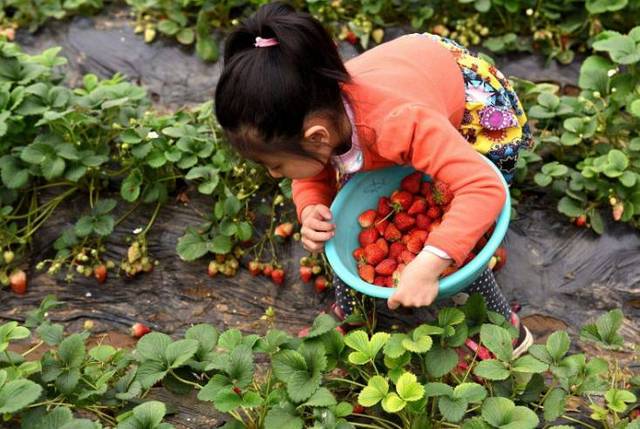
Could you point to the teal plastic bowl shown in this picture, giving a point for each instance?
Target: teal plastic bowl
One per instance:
(361, 193)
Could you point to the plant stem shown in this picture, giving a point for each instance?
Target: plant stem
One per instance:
(182, 380)
(153, 218)
(344, 380)
(33, 348)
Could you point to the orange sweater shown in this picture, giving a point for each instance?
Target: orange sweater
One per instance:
(408, 99)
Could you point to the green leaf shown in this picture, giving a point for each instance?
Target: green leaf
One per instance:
(618, 159)
(601, 6)
(220, 244)
(153, 346)
(593, 73)
(392, 403)
(440, 361)
(206, 335)
(496, 411)
(169, 27)
(321, 325)
(617, 399)
(558, 345)
(104, 206)
(570, 207)
(130, 188)
(375, 391)
(178, 353)
(470, 392)
(72, 351)
(452, 409)
(529, 364)
(146, 415)
(17, 394)
(450, 316)
(286, 363)
(150, 372)
(421, 344)
(283, 418)
(186, 36)
(622, 49)
(408, 388)
(394, 348)
(102, 353)
(596, 220)
(191, 246)
(498, 341)
(491, 370)
(321, 398)
(554, 404)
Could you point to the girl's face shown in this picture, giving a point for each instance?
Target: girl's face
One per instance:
(293, 166)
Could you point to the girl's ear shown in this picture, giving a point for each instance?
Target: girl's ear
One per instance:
(317, 134)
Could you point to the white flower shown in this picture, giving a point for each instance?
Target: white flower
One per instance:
(529, 12)
(138, 230)
(152, 135)
(612, 72)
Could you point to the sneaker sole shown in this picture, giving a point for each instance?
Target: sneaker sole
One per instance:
(524, 345)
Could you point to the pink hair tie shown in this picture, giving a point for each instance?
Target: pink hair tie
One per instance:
(265, 43)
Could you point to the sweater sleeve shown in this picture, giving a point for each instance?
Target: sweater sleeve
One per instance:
(320, 189)
(423, 138)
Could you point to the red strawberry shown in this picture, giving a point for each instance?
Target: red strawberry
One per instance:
(320, 284)
(277, 276)
(412, 182)
(373, 254)
(401, 200)
(358, 409)
(401, 267)
(340, 330)
(139, 330)
(304, 332)
(392, 233)
(396, 249)
(581, 220)
(367, 218)
(382, 243)
(380, 281)
(254, 268)
(18, 282)
(305, 274)
(367, 273)
(501, 255)
(434, 212)
(367, 236)
(237, 390)
(386, 267)
(384, 206)
(381, 225)
(422, 235)
(423, 221)
(267, 270)
(403, 221)
(284, 230)
(351, 37)
(389, 281)
(442, 195)
(406, 256)
(358, 254)
(415, 245)
(425, 190)
(419, 205)
(100, 272)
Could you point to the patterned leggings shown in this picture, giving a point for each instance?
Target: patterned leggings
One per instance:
(485, 285)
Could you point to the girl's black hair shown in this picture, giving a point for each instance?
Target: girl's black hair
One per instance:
(264, 94)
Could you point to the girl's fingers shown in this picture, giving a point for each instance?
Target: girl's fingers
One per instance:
(312, 246)
(319, 225)
(313, 235)
(393, 302)
(324, 212)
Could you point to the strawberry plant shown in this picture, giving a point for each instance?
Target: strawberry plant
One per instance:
(590, 142)
(23, 13)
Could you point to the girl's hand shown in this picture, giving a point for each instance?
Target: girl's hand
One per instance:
(316, 228)
(418, 285)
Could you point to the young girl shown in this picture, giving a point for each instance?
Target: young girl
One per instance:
(286, 100)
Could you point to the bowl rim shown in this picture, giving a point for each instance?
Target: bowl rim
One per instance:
(448, 285)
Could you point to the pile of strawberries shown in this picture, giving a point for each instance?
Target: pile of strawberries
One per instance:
(394, 233)
(314, 269)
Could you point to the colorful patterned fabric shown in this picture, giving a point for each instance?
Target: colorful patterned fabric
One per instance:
(494, 121)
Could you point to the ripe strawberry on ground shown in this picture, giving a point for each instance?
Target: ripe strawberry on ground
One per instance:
(434, 212)
(384, 206)
(367, 273)
(419, 205)
(403, 221)
(367, 236)
(284, 230)
(306, 274)
(406, 256)
(358, 254)
(320, 284)
(581, 220)
(392, 233)
(396, 249)
(386, 267)
(358, 409)
(373, 254)
(367, 218)
(100, 272)
(139, 330)
(401, 200)
(254, 268)
(415, 245)
(423, 221)
(412, 182)
(18, 282)
(277, 276)
(381, 225)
